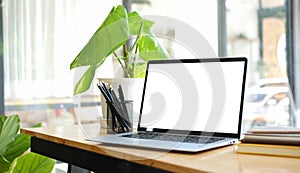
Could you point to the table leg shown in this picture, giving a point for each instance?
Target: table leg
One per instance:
(76, 169)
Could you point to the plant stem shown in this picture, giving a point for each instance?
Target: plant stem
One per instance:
(125, 50)
(138, 36)
(135, 44)
(119, 60)
(134, 60)
(127, 60)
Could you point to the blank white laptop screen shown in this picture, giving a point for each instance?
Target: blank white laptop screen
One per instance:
(204, 96)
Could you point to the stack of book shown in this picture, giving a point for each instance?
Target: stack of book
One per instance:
(279, 141)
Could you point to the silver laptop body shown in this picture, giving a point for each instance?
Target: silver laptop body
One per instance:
(188, 105)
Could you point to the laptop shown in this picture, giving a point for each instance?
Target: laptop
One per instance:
(188, 105)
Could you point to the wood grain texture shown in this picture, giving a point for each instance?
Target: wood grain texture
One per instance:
(224, 159)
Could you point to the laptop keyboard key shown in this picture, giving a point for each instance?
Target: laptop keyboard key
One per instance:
(173, 137)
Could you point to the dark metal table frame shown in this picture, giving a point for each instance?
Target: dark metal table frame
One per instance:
(80, 160)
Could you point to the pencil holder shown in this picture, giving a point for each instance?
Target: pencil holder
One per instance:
(119, 116)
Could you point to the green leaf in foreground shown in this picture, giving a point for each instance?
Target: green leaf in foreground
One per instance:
(2, 119)
(9, 129)
(4, 164)
(18, 147)
(37, 125)
(32, 162)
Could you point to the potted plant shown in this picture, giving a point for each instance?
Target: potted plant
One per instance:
(118, 30)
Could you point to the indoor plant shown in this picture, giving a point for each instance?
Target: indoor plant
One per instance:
(118, 30)
(14, 154)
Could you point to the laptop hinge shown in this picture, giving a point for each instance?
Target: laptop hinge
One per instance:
(149, 129)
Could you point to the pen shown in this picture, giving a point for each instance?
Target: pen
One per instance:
(123, 104)
(116, 109)
(104, 92)
(108, 99)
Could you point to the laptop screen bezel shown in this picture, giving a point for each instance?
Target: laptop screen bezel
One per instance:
(201, 60)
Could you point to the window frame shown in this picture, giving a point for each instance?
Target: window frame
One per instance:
(294, 73)
(1, 66)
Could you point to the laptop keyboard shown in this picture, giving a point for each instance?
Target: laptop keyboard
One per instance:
(173, 137)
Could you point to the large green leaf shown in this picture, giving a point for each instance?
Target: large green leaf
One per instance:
(135, 21)
(8, 132)
(33, 163)
(85, 81)
(13, 145)
(17, 147)
(12, 164)
(4, 164)
(2, 119)
(150, 48)
(113, 33)
(140, 70)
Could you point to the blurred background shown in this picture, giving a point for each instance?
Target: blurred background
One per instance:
(41, 38)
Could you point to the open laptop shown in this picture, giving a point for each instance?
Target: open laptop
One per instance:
(188, 105)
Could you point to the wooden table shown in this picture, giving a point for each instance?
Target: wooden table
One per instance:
(67, 143)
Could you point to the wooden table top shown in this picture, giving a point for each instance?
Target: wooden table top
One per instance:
(224, 159)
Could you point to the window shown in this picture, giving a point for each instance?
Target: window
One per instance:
(42, 37)
(183, 23)
(254, 29)
(258, 30)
